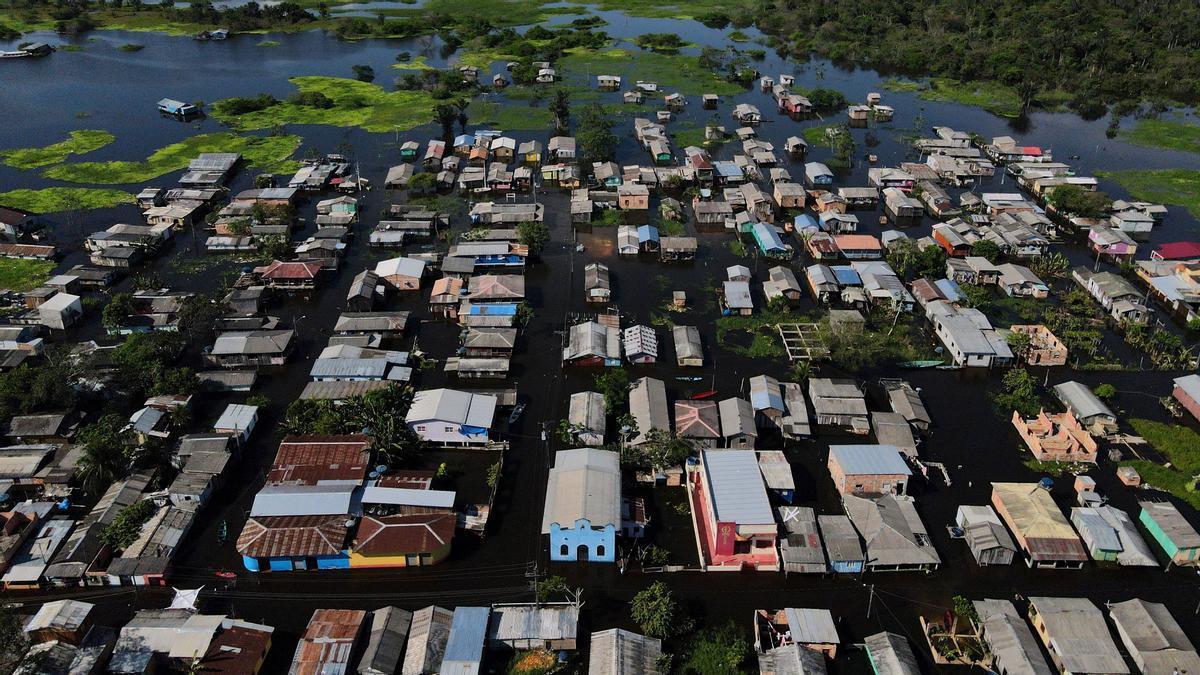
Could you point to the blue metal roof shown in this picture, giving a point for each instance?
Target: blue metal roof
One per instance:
(509, 309)
(647, 233)
(870, 459)
(464, 649)
(846, 276)
(767, 238)
(464, 139)
(803, 221)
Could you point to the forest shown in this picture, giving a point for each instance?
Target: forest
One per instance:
(1100, 53)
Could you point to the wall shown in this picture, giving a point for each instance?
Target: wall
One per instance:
(583, 534)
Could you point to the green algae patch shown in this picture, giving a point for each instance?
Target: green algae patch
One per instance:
(79, 142)
(416, 63)
(24, 275)
(270, 154)
(1180, 187)
(1169, 134)
(510, 117)
(57, 199)
(354, 104)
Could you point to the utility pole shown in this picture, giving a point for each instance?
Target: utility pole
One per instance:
(870, 600)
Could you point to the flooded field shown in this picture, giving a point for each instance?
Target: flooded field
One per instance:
(102, 87)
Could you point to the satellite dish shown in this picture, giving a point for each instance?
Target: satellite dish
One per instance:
(381, 469)
(349, 522)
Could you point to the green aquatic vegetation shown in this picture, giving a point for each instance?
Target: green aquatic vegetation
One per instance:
(131, 47)
(673, 72)
(70, 48)
(738, 36)
(994, 97)
(818, 137)
(268, 43)
(56, 199)
(510, 117)
(355, 104)
(80, 141)
(417, 63)
(267, 153)
(24, 275)
(1170, 134)
(1180, 187)
(1180, 447)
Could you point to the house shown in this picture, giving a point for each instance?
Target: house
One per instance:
(801, 548)
(901, 208)
(892, 429)
(906, 401)
(63, 620)
(737, 423)
(1020, 281)
(1083, 403)
(811, 630)
(1056, 437)
(450, 417)
(1187, 251)
(1172, 532)
(387, 633)
(734, 521)
(329, 641)
(1111, 535)
(1115, 294)
(1111, 243)
(777, 475)
(238, 421)
(781, 283)
(428, 634)
(487, 342)
(817, 174)
(365, 289)
(1013, 647)
(596, 284)
(842, 544)
(445, 297)
(398, 176)
(647, 236)
(747, 114)
(236, 349)
(688, 350)
(968, 336)
(1186, 391)
(583, 505)
(641, 344)
(890, 654)
(291, 275)
(868, 469)
(586, 418)
(766, 398)
(985, 535)
(735, 298)
(858, 246)
(648, 405)
(61, 311)
(697, 419)
(839, 403)
(1076, 636)
(620, 652)
(1038, 526)
(892, 531)
(496, 288)
(468, 636)
(592, 344)
(790, 195)
(769, 242)
(1155, 640)
(402, 274)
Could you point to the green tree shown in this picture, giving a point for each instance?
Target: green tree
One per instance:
(665, 450)
(445, 115)
(275, 247)
(13, 642)
(985, 248)
(560, 106)
(1074, 200)
(535, 235)
(1050, 266)
(594, 134)
(552, 587)
(1106, 391)
(1018, 391)
(117, 311)
(718, 651)
(105, 446)
(655, 610)
(363, 73)
(613, 385)
(422, 183)
(127, 525)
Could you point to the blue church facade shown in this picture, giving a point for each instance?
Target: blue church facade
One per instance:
(583, 542)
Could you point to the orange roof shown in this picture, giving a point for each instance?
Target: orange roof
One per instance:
(447, 286)
(405, 535)
(857, 241)
(290, 536)
(308, 459)
(328, 642)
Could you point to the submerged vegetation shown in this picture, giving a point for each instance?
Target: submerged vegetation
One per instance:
(56, 199)
(1180, 447)
(1169, 134)
(268, 153)
(81, 141)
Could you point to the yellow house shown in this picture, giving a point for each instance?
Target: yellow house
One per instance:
(531, 152)
(406, 540)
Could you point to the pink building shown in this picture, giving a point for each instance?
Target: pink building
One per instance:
(735, 526)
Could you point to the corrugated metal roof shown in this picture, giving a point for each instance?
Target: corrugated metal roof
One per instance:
(303, 500)
(438, 499)
(584, 483)
(533, 622)
(1013, 644)
(811, 626)
(736, 487)
(1079, 635)
(869, 460)
(464, 649)
(621, 652)
(890, 654)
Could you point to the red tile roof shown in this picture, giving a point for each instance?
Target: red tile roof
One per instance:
(405, 535)
(291, 270)
(308, 459)
(328, 641)
(292, 536)
(238, 650)
(1178, 250)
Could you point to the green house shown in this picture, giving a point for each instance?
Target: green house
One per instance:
(1173, 533)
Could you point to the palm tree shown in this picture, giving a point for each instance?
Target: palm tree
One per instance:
(446, 114)
(461, 104)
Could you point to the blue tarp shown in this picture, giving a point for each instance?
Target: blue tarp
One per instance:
(494, 310)
(846, 276)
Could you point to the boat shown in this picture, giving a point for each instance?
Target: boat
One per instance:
(579, 248)
(704, 394)
(225, 574)
(689, 378)
(516, 413)
(920, 364)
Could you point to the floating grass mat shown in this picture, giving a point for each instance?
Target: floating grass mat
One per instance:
(267, 153)
(1169, 134)
(56, 199)
(509, 116)
(24, 275)
(79, 142)
(355, 104)
(1180, 187)
(673, 72)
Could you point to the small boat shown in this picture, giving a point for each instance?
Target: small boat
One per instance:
(705, 394)
(516, 413)
(686, 378)
(225, 574)
(579, 248)
(920, 364)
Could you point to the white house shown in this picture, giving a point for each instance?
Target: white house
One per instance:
(451, 417)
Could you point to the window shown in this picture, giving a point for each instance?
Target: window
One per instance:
(563, 550)
(600, 550)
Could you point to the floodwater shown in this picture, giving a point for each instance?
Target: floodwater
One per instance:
(104, 88)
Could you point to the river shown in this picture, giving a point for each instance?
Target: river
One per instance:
(101, 87)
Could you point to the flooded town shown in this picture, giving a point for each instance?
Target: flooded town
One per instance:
(550, 337)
